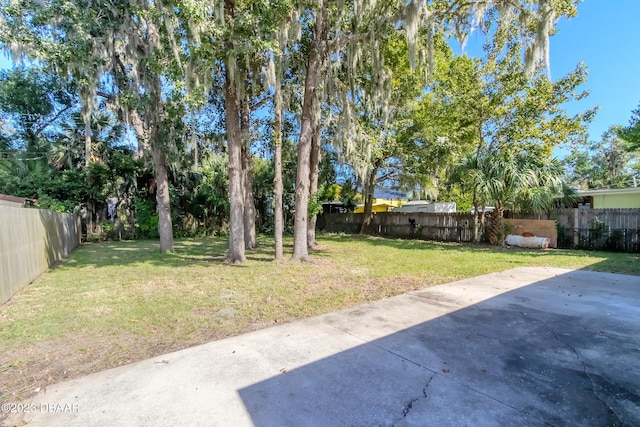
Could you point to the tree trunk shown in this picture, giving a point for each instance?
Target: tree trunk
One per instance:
(194, 141)
(496, 226)
(91, 210)
(476, 223)
(317, 52)
(236, 253)
(157, 142)
(86, 117)
(313, 185)
(141, 133)
(278, 219)
(247, 176)
(165, 226)
(369, 190)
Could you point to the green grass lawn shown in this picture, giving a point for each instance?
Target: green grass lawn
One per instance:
(117, 302)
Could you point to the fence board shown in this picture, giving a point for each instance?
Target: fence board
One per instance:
(31, 240)
(452, 227)
(604, 229)
(627, 218)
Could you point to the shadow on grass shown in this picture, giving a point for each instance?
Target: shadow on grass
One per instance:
(202, 251)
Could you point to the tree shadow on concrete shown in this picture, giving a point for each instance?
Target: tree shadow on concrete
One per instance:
(560, 351)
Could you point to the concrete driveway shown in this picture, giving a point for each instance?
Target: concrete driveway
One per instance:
(529, 346)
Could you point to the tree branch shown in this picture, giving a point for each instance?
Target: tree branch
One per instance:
(260, 103)
(105, 95)
(44, 125)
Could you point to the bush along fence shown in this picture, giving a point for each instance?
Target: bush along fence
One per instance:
(597, 238)
(31, 240)
(599, 229)
(615, 230)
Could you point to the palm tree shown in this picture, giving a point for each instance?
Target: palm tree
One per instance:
(513, 179)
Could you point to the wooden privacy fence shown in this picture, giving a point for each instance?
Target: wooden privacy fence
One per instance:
(448, 227)
(592, 229)
(444, 227)
(616, 219)
(31, 240)
(608, 229)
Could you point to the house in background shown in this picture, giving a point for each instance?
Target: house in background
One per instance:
(335, 206)
(427, 207)
(376, 207)
(384, 201)
(389, 197)
(612, 198)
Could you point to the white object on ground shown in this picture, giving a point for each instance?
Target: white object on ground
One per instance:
(527, 242)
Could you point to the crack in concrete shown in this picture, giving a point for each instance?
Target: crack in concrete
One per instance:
(424, 390)
(409, 405)
(407, 408)
(586, 372)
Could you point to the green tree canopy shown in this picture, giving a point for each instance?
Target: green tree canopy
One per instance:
(631, 133)
(606, 163)
(32, 103)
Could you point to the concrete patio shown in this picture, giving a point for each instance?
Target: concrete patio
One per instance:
(529, 346)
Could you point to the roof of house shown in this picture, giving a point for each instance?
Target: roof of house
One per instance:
(607, 191)
(377, 204)
(418, 203)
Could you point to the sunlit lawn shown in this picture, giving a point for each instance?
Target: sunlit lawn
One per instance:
(117, 302)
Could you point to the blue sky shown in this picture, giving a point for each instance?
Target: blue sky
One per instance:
(606, 37)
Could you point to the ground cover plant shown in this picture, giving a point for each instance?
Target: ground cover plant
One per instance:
(114, 303)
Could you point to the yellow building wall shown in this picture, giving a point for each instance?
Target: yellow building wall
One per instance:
(390, 202)
(381, 205)
(374, 208)
(609, 201)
